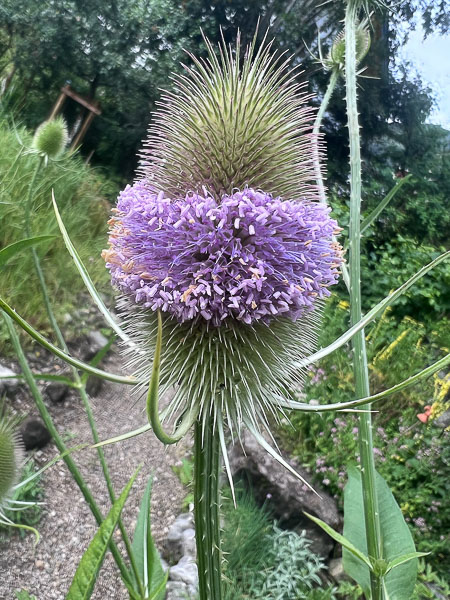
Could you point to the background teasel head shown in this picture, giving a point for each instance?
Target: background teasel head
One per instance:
(222, 235)
(336, 56)
(50, 138)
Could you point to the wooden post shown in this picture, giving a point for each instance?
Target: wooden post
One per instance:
(58, 105)
(82, 132)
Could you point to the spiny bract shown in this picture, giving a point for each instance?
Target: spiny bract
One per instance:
(224, 127)
(222, 235)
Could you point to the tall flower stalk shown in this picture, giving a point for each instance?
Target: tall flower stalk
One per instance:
(370, 500)
(223, 255)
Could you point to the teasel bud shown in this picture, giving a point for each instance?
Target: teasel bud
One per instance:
(336, 56)
(50, 138)
(222, 236)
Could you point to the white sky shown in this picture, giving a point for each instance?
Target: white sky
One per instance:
(431, 58)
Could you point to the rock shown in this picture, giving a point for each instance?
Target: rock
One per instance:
(96, 341)
(320, 544)
(8, 385)
(34, 433)
(177, 590)
(180, 539)
(56, 391)
(336, 570)
(443, 421)
(93, 386)
(289, 497)
(186, 571)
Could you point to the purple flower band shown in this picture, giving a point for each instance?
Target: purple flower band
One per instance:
(250, 257)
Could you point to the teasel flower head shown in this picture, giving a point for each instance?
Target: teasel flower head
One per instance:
(336, 56)
(221, 246)
(50, 139)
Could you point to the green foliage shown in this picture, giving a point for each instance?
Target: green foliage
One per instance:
(80, 193)
(24, 595)
(263, 561)
(393, 261)
(413, 457)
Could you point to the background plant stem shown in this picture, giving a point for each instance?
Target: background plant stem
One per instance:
(206, 508)
(62, 448)
(371, 512)
(80, 385)
(318, 171)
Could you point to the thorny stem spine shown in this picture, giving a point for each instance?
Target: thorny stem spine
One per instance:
(206, 507)
(370, 500)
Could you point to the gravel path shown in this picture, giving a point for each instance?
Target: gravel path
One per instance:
(67, 526)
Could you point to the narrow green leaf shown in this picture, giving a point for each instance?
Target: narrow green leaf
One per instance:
(159, 592)
(123, 436)
(403, 559)
(86, 277)
(145, 553)
(85, 576)
(10, 251)
(373, 313)
(303, 406)
(341, 540)
(396, 538)
(60, 353)
(382, 205)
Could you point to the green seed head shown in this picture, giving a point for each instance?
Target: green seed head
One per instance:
(336, 56)
(51, 138)
(230, 123)
(10, 457)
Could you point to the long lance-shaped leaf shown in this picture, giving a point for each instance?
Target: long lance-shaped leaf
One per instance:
(10, 251)
(87, 279)
(372, 314)
(58, 352)
(341, 540)
(86, 574)
(145, 553)
(401, 560)
(437, 366)
(189, 417)
(124, 436)
(382, 205)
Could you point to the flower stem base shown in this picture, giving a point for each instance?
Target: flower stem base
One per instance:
(206, 502)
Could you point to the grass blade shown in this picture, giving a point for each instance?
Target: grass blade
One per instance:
(144, 551)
